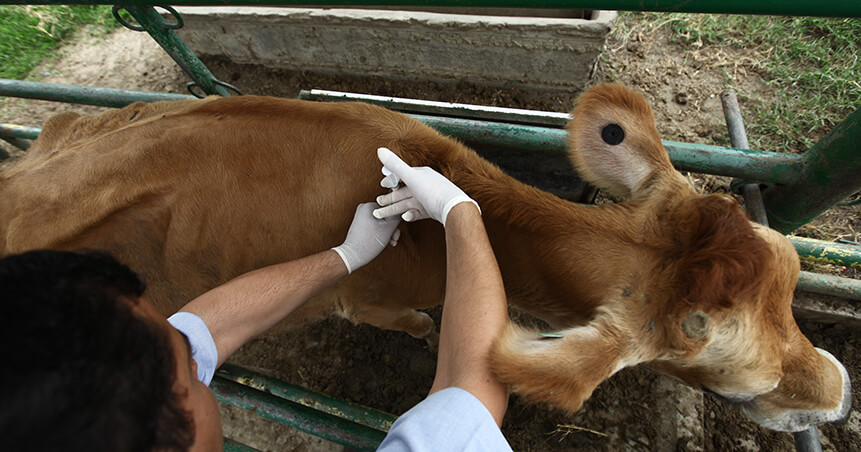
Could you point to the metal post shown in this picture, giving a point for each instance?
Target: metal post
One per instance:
(164, 34)
(738, 137)
(807, 441)
(831, 172)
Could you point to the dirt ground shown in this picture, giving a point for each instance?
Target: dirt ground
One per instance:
(392, 371)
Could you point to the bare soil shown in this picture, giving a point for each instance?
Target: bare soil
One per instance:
(392, 371)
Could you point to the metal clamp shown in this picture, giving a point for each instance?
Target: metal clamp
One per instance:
(191, 85)
(167, 26)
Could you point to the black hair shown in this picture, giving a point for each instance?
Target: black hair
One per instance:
(81, 371)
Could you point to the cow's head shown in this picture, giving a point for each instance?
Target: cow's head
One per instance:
(708, 300)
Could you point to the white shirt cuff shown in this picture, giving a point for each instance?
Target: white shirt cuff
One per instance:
(203, 349)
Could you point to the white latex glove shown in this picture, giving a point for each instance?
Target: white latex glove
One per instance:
(367, 237)
(427, 194)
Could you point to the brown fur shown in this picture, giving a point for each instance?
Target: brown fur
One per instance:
(193, 193)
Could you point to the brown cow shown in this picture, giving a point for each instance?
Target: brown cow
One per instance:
(194, 193)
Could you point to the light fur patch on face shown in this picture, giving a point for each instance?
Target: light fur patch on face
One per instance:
(732, 346)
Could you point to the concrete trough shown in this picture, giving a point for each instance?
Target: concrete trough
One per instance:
(529, 48)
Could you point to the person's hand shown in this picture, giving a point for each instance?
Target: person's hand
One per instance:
(427, 194)
(367, 237)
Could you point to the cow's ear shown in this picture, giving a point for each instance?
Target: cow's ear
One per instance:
(560, 369)
(613, 142)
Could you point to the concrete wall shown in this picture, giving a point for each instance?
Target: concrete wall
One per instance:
(535, 52)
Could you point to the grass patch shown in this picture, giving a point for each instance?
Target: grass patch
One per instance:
(813, 64)
(29, 34)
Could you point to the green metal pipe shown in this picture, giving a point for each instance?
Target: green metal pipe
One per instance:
(760, 166)
(166, 37)
(326, 426)
(829, 285)
(16, 131)
(85, 95)
(518, 129)
(831, 172)
(19, 143)
(827, 252)
(375, 419)
(234, 446)
(837, 8)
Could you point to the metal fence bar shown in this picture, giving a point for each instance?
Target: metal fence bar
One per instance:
(829, 285)
(738, 138)
(753, 202)
(835, 8)
(19, 143)
(84, 95)
(831, 173)
(827, 252)
(760, 166)
(324, 425)
(16, 131)
(234, 446)
(353, 412)
(164, 34)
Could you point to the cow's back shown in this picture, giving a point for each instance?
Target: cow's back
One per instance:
(193, 193)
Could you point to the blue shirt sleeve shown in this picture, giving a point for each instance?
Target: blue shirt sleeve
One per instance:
(448, 420)
(203, 349)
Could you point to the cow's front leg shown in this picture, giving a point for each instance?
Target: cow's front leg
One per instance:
(564, 368)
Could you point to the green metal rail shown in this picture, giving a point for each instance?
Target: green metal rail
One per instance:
(831, 173)
(759, 166)
(233, 446)
(836, 8)
(375, 420)
(827, 252)
(351, 425)
(83, 95)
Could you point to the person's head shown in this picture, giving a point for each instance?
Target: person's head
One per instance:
(88, 363)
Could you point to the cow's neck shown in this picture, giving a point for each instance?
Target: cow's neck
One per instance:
(544, 244)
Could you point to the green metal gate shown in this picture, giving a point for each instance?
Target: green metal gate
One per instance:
(799, 187)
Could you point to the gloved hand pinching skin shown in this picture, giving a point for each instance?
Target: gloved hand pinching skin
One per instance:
(426, 194)
(367, 237)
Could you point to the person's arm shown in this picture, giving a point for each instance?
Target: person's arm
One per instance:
(250, 304)
(475, 310)
(474, 313)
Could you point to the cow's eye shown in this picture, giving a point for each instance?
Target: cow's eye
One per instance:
(612, 134)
